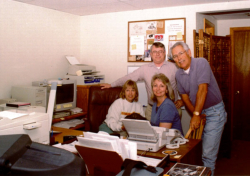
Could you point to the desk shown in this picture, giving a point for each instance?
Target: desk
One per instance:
(191, 153)
(65, 132)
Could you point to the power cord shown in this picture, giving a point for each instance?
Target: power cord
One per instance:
(145, 152)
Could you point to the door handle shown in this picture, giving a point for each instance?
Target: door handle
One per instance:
(237, 92)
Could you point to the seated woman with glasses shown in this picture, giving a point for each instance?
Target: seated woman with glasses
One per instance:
(122, 107)
(164, 112)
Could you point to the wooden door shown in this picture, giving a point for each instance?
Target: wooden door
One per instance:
(241, 83)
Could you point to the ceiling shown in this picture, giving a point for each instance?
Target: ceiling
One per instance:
(91, 7)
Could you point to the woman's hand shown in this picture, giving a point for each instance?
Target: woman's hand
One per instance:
(179, 104)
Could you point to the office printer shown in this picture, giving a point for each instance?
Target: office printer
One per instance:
(149, 137)
(83, 74)
(85, 69)
(75, 66)
(35, 124)
(87, 79)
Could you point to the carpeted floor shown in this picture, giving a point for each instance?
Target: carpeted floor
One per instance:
(238, 164)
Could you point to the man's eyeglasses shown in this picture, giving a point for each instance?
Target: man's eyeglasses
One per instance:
(178, 55)
(158, 52)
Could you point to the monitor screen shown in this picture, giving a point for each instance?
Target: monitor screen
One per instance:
(65, 93)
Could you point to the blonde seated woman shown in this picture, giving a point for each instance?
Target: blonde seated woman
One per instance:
(164, 112)
(122, 107)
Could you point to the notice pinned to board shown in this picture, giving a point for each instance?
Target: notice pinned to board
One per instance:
(137, 45)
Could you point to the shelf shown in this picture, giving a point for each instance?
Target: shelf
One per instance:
(78, 127)
(69, 117)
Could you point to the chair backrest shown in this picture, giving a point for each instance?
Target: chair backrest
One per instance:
(196, 134)
(99, 103)
(100, 162)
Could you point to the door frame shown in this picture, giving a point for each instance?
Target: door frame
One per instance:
(232, 31)
(208, 26)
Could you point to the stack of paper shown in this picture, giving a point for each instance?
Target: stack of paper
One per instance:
(124, 147)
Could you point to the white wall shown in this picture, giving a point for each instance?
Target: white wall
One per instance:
(224, 25)
(104, 37)
(33, 43)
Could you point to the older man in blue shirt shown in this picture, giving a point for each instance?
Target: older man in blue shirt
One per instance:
(201, 95)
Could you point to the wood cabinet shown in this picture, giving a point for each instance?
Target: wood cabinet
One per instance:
(83, 96)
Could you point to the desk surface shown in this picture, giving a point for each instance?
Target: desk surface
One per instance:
(190, 153)
(65, 132)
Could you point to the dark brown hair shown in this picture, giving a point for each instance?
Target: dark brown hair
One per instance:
(157, 45)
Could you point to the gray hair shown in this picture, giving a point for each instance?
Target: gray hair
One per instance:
(184, 45)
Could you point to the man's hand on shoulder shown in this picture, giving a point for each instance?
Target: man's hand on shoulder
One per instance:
(105, 85)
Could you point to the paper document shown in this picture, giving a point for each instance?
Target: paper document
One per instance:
(97, 136)
(70, 147)
(103, 144)
(11, 115)
(149, 161)
(72, 60)
(124, 147)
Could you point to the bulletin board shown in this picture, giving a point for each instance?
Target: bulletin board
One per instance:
(142, 34)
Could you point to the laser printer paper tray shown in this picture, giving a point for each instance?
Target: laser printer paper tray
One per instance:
(146, 136)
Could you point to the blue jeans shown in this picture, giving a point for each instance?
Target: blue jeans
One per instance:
(216, 117)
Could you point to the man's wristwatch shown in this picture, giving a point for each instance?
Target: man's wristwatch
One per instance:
(196, 113)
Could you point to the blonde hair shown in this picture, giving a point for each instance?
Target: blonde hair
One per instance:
(131, 84)
(165, 81)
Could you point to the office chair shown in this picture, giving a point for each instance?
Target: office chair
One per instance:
(98, 105)
(196, 134)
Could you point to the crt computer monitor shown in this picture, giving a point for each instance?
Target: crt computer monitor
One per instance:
(65, 98)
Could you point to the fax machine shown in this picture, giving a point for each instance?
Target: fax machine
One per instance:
(149, 137)
(146, 136)
(35, 124)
